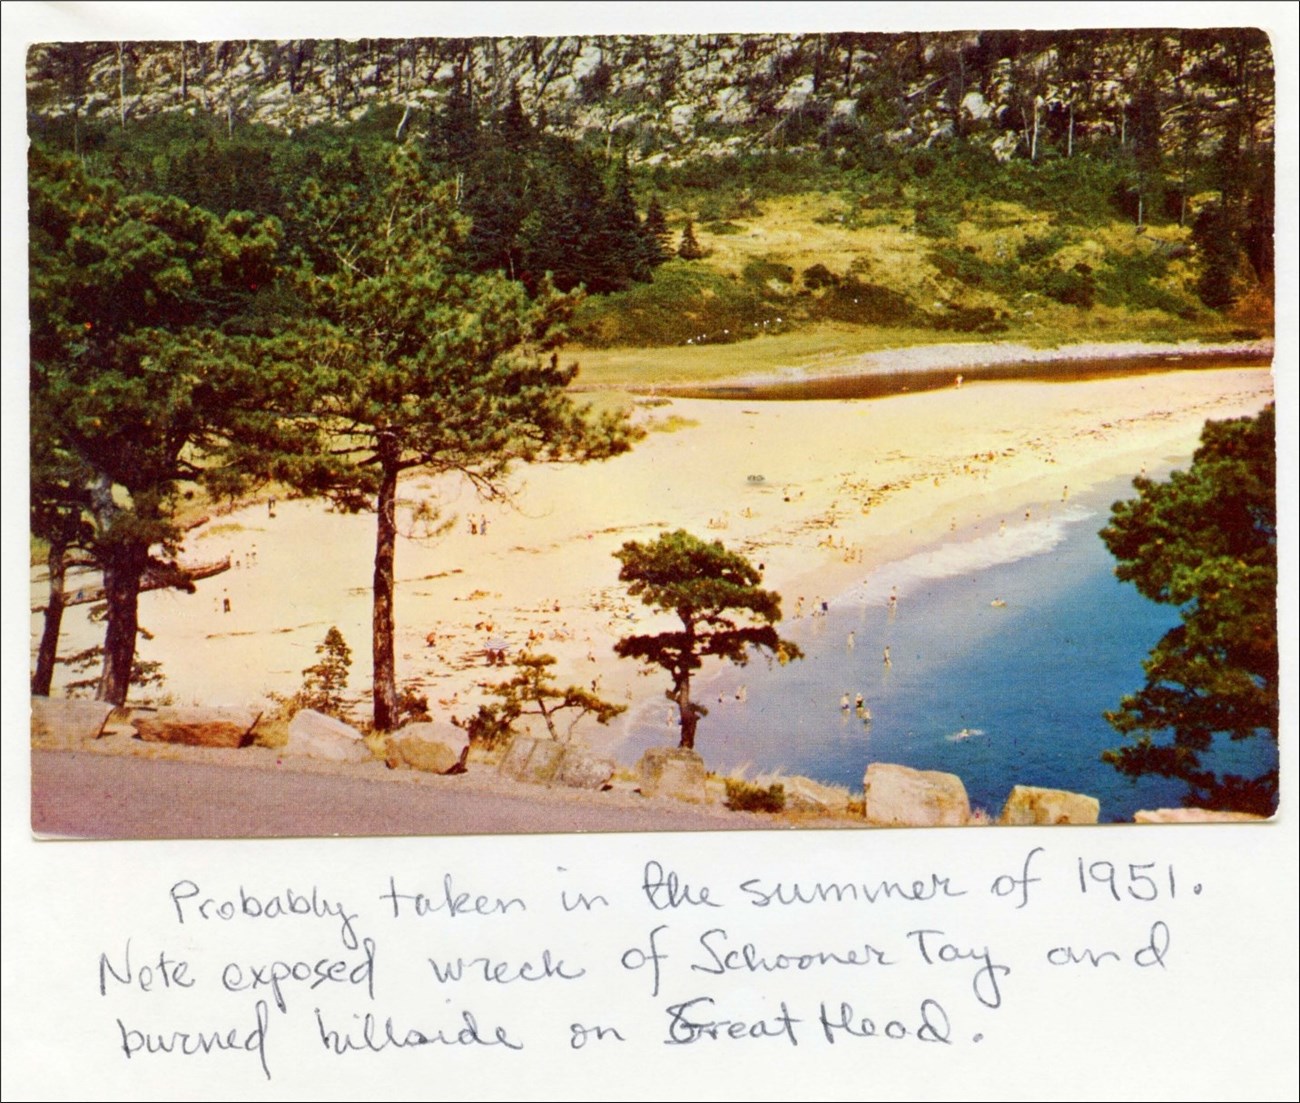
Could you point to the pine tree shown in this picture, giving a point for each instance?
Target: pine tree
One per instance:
(412, 363)
(1206, 541)
(654, 231)
(133, 372)
(711, 591)
(531, 692)
(689, 249)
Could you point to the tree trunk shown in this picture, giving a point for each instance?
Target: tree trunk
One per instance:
(690, 719)
(121, 86)
(385, 676)
(48, 651)
(123, 569)
(123, 563)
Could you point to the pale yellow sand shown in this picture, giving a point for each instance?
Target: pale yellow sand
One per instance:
(879, 477)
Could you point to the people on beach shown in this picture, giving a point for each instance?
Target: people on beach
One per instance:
(851, 642)
(844, 703)
(888, 660)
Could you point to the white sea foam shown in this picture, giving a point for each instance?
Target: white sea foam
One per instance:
(964, 557)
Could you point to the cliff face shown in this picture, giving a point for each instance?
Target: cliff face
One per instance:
(667, 97)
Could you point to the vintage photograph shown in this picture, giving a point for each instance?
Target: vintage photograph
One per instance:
(634, 433)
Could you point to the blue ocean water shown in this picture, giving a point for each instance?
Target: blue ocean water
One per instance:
(1006, 646)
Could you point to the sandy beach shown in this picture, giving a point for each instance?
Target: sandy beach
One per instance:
(819, 493)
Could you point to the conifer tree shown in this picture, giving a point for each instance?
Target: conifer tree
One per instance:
(136, 381)
(413, 363)
(689, 249)
(1205, 540)
(712, 592)
(655, 234)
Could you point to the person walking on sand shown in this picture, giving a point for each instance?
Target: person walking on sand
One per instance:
(852, 640)
(844, 703)
(888, 660)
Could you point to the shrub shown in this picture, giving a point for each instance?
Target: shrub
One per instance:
(1034, 249)
(851, 300)
(743, 796)
(1070, 287)
(819, 276)
(969, 319)
(760, 270)
(487, 728)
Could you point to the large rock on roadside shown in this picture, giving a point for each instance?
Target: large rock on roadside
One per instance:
(67, 721)
(802, 794)
(1194, 815)
(898, 796)
(433, 748)
(531, 760)
(197, 727)
(1029, 804)
(580, 769)
(316, 735)
(674, 772)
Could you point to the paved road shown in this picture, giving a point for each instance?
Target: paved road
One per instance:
(123, 797)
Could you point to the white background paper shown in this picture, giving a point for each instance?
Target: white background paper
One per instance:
(1218, 1022)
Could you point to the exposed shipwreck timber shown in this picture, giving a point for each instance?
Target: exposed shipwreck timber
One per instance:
(162, 576)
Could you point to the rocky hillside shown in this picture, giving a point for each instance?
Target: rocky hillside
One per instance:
(1021, 94)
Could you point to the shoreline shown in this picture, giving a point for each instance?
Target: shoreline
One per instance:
(848, 486)
(957, 356)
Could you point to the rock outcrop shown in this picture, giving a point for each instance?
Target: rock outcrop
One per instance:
(549, 762)
(802, 794)
(197, 727)
(316, 735)
(580, 769)
(1029, 805)
(430, 747)
(898, 796)
(65, 722)
(532, 760)
(1194, 815)
(674, 772)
